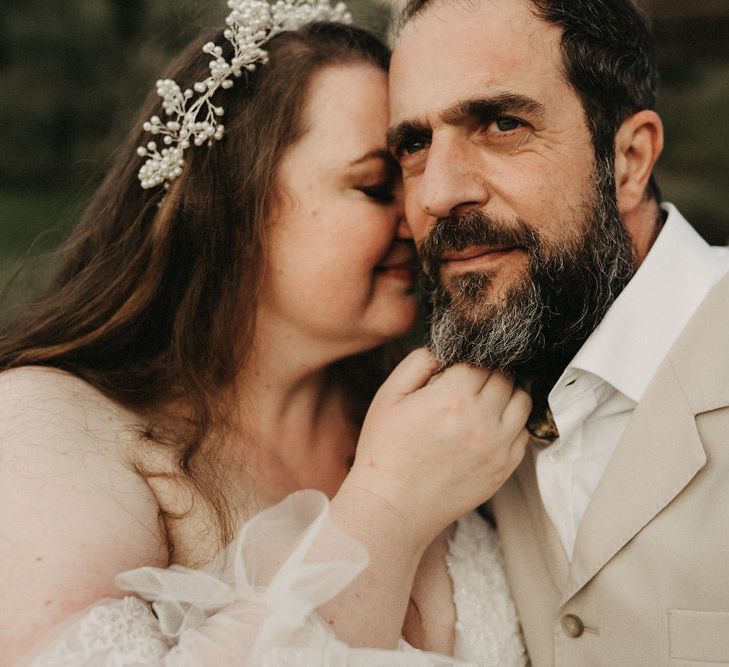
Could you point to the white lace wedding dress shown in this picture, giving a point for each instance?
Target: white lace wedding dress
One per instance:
(254, 604)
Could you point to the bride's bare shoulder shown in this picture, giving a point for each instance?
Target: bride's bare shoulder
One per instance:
(73, 511)
(50, 394)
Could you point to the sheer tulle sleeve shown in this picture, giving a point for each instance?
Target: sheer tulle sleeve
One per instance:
(253, 605)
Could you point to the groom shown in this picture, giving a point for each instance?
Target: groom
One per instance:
(526, 134)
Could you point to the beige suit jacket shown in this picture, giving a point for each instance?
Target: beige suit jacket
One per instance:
(649, 580)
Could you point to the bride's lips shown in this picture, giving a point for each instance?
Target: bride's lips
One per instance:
(398, 264)
(475, 257)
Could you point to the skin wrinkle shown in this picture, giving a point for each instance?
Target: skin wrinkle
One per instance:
(515, 331)
(465, 113)
(543, 180)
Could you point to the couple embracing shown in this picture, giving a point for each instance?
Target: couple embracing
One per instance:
(208, 454)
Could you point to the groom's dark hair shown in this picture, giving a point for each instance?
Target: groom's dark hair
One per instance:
(608, 56)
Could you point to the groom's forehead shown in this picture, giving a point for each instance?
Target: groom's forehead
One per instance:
(453, 50)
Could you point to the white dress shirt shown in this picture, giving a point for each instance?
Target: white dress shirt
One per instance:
(595, 397)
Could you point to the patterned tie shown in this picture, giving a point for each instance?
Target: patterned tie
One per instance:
(541, 426)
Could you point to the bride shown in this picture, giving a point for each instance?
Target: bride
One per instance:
(204, 360)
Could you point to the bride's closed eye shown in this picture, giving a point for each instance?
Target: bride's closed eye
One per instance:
(380, 192)
(377, 177)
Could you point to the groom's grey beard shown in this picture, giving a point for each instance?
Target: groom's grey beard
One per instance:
(496, 337)
(539, 324)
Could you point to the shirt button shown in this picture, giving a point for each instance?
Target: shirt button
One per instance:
(572, 626)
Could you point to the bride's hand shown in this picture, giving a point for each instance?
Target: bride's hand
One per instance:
(433, 451)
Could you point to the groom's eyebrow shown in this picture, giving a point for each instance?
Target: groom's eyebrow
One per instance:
(398, 134)
(488, 108)
(467, 111)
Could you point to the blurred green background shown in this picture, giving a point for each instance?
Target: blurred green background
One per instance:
(73, 73)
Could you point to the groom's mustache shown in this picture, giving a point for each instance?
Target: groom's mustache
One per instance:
(474, 228)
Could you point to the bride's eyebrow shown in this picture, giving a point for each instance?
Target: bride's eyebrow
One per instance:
(377, 154)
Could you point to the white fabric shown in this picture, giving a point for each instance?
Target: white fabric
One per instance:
(595, 397)
(255, 603)
(487, 627)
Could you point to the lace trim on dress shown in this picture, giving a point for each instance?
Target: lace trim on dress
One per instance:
(253, 605)
(487, 626)
(117, 633)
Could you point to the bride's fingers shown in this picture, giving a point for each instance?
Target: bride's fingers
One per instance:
(496, 394)
(518, 449)
(412, 373)
(518, 408)
(463, 378)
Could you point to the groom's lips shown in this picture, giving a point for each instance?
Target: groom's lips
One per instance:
(474, 257)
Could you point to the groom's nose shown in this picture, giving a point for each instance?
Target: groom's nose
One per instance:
(451, 182)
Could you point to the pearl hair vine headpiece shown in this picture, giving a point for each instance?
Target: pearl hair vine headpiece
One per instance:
(192, 119)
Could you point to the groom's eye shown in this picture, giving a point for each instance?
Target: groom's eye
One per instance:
(414, 146)
(503, 132)
(410, 146)
(507, 124)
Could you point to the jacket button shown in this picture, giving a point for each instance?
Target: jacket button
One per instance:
(572, 626)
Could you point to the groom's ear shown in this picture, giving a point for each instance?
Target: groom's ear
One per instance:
(638, 143)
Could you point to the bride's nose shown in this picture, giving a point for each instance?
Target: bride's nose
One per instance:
(403, 232)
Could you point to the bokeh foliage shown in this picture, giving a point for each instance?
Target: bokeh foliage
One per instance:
(73, 73)
(693, 54)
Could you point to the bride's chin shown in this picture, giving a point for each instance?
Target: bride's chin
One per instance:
(377, 337)
(401, 321)
(384, 321)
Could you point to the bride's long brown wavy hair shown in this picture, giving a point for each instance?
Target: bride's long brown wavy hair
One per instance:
(154, 303)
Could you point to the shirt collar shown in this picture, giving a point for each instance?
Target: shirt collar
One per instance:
(647, 317)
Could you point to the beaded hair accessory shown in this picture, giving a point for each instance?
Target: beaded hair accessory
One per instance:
(192, 119)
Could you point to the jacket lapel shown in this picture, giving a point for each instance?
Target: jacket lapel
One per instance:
(660, 451)
(658, 455)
